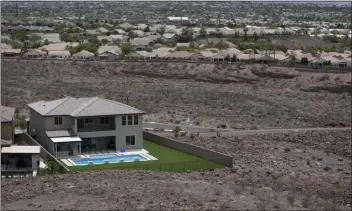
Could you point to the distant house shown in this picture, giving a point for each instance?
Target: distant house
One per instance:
(52, 37)
(59, 54)
(139, 44)
(68, 126)
(108, 52)
(103, 30)
(120, 31)
(126, 25)
(34, 54)
(83, 55)
(61, 46)
(168, 36)
(139, 33)
(15, 158)
(91, 32)
(10, 53)
(179, 55)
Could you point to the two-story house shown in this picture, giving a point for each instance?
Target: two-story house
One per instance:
(15, 158)
(69, 126)
(7, 125)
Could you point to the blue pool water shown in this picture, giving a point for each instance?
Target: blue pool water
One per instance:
(112, 158)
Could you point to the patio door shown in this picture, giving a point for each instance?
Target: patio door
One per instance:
(88, 144)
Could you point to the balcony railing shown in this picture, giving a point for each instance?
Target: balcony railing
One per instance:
(94, 128)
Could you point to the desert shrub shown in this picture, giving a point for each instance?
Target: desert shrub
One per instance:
(324, 78)
(287, 149)
(254, 127)
(52, 167)
(176, 131)
(218, 134)
(223, 126)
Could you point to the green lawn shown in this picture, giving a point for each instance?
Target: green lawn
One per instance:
(168, 160)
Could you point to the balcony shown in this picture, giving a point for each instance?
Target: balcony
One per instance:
(95, 124)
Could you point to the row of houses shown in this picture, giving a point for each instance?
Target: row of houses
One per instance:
(58, 51)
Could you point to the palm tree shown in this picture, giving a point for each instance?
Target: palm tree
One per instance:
(245, 33)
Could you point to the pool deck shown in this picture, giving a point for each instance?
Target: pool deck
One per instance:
(142, 152)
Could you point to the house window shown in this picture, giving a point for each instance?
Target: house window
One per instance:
(104, 120)
(123, 120)
(130, 120)
(135, 117)
(88, 120)
(58, 120)
(130, 140)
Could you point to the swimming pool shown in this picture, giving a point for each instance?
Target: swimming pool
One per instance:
(111, 158)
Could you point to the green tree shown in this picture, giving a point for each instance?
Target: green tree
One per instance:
(255, 36)
(304, 61)
(161, 30)
(126, 48)
(132, 34)
(202, 32)
(234, 58)
(21, 35)
(34, 37)
(186, 35)
(46, 42)
(227, 58)
(16, 44)
(245, 30)
(104, 41)
(176, 131)
(147, 29)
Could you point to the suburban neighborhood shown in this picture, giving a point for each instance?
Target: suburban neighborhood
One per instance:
(183, 105)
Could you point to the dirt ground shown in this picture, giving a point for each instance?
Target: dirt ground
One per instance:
(205, 94)
(304, 171)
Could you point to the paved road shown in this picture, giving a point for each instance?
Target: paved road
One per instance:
(203, 131)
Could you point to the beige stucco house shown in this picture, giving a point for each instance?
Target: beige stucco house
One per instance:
(15, 158)
(68, 126)
(7, 125)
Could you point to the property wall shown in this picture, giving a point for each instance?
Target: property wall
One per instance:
(7, 131)
(128, 130)
(190, 149)
(43, 152)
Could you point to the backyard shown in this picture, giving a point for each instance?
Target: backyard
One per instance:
(168, 160)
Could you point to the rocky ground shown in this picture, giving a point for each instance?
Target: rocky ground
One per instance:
(305, 171)
(205, 94)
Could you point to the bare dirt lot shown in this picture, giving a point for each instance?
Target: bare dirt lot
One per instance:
(206, 94)
(305, 171)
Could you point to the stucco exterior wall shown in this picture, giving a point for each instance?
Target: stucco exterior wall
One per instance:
(7, 131)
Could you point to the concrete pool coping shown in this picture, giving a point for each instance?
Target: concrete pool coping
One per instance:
(144, 153)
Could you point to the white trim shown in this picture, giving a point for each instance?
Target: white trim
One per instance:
(66, 139)
(21, 149)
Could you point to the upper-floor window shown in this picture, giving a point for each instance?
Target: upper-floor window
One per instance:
(88, 120)
(123, 120)
(130, 120)
(104, 120)
(135, 117)
(58, 120)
